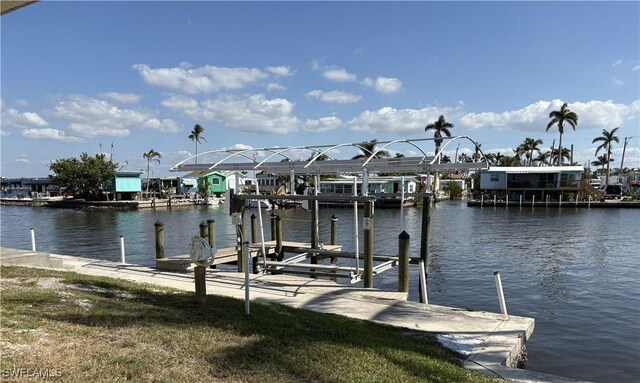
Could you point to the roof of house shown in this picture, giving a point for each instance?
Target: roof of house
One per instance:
(534, 169)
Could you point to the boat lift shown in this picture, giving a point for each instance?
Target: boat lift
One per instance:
(320, 163)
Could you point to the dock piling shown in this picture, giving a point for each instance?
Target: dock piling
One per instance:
(334, 238)
(254, 228)
(159, 239)
(279, 248)
(273, 226)
(368, 244)
(503, 305)
(122, 257)
(212, 232)
(424, 247)
(33, 239)
(403, 262)
(201, 285)
(204, 230)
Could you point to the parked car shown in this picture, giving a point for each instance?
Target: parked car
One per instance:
(613, 191)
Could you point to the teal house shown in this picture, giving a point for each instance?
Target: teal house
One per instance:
(126, 186)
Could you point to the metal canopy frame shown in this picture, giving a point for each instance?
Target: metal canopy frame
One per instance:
(416, 165)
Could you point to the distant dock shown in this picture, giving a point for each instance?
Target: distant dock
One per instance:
(608, 204)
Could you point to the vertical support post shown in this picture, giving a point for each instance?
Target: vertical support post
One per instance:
(560, 203)
(204, 230)
(159, 239)
(533, 200)
(212, 232)
(247, 295)
(279, 249)
(315, 240)
(254, 232)
(503, 305)
(33, 239)
(201, 285)
(482, 200)
(368, 244)
(423, 283)
(334, 238)
(356, 238)
(292, 182)
(495, 200)
(122, 258)
(520, 200)
(403, 262)
(589, 203)
(273, 226)
(402, 203)
(241, 228)
(424, 246)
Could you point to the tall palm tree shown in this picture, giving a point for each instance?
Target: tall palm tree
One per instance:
(151, 155)
(601, 161)
(368, 148)
(560, 117)
(544, 158)
(440, 129)
(196, 136)
(566, 155)
(607, 138)
(527, 147)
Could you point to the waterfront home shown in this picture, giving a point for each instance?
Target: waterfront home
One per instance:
(218, 182)
(126, 186)
(182, 186)
(28, 187)
(539, 182)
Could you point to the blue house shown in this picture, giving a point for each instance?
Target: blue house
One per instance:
(126, 186)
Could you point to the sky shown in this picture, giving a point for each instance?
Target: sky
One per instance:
(122, 78)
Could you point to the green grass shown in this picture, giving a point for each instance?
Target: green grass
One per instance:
(101, 329)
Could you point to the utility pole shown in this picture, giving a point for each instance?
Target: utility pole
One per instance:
(624, 149)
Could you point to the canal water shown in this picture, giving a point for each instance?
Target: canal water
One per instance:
(574, 270)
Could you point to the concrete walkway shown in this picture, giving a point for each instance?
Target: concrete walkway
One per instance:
(491, 342)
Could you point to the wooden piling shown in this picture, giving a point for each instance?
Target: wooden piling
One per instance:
(279, 249)
(424, 240)
(201, 284)
(212, 232)
(204, 230)
(159, 239)
(273, 226)
(368, 244)
(254, 228)
(403, 262)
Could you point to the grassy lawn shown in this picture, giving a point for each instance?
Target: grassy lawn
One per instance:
(90, 329)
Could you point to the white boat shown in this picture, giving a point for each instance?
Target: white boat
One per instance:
(211, 201)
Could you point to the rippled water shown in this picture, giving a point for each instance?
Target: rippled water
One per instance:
(574, 270)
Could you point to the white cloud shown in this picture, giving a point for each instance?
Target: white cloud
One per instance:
(4, 133)
(616, 63)
(90, 117)
(49, 134)
(13, 118)
(616, 81)
(275, 86)
(339, 75)
(252, 114)
(164, 125)
(206, 79)
(384, 85)
(400, 121)
(282, 71)
(316, 63)
(533, 117)
(635, 68)
(334, 96)
(180, 103)
(125, 98)
(322, 124)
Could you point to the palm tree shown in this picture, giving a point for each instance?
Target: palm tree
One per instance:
(476, 156)
(151, 155)
(607, 138)
(195, 136)
(544, 158)
(440, 127)
(368, 148)
(601, 161)
(527, 147)
(566, 154)
(560, 117)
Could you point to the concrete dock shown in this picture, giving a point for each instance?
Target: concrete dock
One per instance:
(489, 342)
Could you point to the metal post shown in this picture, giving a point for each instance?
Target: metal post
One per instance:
(589, 203)
(292, 182)
(33, 240)
(273, 226)
(482, 200)
(520, 200)
(533, 200)
(560, 202)
(402, 203)
(315, 240)
(212, 232)
(355, 226)
(403, 262)
(159, 239)
(247, 295)
(279, 249)
(495, 200)
(122, 258)
(424, 246)
(503, 305)
(368, 244)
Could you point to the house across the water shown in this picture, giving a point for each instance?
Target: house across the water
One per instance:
(509, 183)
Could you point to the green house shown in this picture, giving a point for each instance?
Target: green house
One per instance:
(216, 182)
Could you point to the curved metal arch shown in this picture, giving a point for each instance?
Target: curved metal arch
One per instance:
(393, 142)
(276, 152)
(332, 147)
(179, 164)
(240, 153)
(451, 139)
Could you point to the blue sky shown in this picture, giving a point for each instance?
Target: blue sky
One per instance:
(79, 76)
